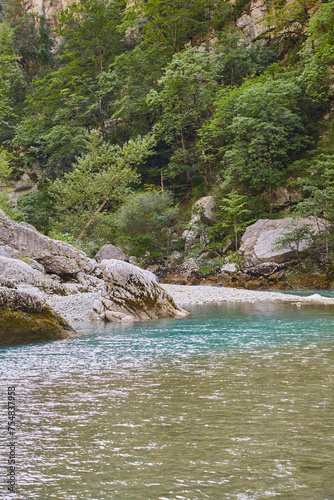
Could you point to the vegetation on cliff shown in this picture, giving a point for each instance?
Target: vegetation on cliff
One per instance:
(119, 110)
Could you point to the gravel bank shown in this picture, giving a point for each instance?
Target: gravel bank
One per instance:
(76, 307)
(191, 295)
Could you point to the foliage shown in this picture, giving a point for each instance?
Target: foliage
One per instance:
(144, 222)
(294, 237)
(99, 181)
(241, 119)
(233, 218)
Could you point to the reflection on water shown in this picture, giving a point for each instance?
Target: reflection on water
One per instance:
(232, 403)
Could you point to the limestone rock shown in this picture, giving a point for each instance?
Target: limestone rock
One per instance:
(111, 252)
(258, 242)
(252, 22)
(9, 252)
(134, 292)
(229, 268)
(27, 319)
(281, 197)
(203, 209)
(55, 256)
(20, 272)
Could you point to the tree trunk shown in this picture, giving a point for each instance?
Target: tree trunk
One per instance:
(93, 217)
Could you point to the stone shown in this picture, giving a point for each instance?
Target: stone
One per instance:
(9, 252)
(201, 210)
(281, 197)
(175, 258)
(229, 268)
(36, 265)
(110, 252)
(259, 240)
(133, 260)
(252, 22)
(98, 306)
(135, 292)
(20, 272)
(26, 319)
(55, 256)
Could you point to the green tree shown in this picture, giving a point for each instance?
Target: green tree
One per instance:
(186, 92)
(257, 130)
(99, 181)
(294, 237)
(234, 217)
(69, 99)
(145, 221)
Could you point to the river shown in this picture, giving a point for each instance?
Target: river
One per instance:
(233, 402)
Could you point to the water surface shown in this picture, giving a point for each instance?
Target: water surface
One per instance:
(234, 402)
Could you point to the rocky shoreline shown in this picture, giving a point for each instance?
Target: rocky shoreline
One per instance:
(75, 308)
(73, 288)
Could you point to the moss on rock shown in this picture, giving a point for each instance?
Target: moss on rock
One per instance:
(25, 319)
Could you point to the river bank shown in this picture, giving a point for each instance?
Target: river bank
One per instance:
(77, 307)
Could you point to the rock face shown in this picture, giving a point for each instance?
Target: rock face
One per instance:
(252, 22)
(108, 252)
(47, 7)
(55, 256)
(27, 319)
(202, 209)
(133, 295)
(258, 242)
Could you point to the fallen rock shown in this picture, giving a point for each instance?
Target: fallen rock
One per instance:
(258, 244)
(108, 252)
(26, 319)
(135, 293)
(55, 256)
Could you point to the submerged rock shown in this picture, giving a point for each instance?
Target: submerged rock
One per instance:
(26, 319)
(134, 294)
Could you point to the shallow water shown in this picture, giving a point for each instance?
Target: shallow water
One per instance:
(234, 402)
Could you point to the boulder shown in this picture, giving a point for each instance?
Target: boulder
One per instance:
(258, 244)
(231, 267)
(201, 210)
(135, 293)
(26, 319)
(108, 252)
(55, 256)
(20, 272)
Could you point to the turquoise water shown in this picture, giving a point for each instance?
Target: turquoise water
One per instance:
(233, 402)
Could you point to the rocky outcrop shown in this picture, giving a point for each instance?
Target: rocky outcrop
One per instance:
(47, 8)
(108, 252)
(252, 22)
(258, 244)
(55, 256)
(202, 212)
(27, 319)
(133, 294)
(281, 197)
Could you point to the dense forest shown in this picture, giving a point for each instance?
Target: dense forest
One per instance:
(124, 114)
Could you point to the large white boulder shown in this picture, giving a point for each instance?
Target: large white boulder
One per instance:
(258, 244)
(55, 256)
(134, 293)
